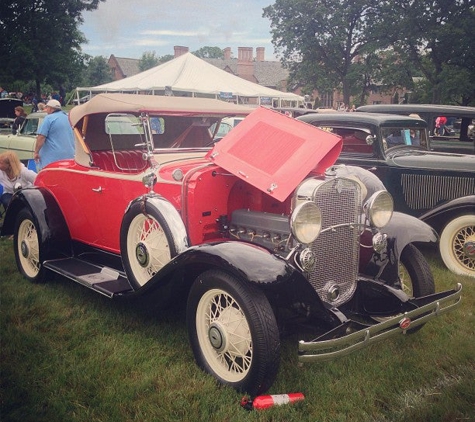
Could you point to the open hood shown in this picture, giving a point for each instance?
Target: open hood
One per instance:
(274, 153)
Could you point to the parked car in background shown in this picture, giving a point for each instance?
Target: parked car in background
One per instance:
(457, 135)
(7, 113)
(254, 235)
(23, 142)
(438, 188)
(224, 126)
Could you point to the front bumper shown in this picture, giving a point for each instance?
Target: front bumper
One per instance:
(320, 349)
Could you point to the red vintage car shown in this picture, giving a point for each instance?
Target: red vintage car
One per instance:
(258, 232)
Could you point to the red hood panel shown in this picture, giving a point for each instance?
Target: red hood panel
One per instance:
(274, 153)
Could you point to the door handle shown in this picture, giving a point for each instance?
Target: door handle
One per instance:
(99, 189)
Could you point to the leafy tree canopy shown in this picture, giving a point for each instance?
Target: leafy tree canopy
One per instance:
(41, 40)
(97, 71)
(148, 60)
(319, 41)
(209, 53)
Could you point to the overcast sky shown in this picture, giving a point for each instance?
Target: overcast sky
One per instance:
(128, 28)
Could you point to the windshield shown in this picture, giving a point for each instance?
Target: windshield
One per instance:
(400, 136)
(31, 126)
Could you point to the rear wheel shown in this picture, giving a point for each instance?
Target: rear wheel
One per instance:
(457, 245)
(233, 332)
(27, 247)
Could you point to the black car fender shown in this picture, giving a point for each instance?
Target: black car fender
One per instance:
(282, 283)
(407, 229)
(53, 231)
(439, 216)
(402, 230)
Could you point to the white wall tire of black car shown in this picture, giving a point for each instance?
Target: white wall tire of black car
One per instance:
(233, 332)
(27, 247)
(456, 244)
(147, 244)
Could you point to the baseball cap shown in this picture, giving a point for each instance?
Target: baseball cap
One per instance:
(54, 104)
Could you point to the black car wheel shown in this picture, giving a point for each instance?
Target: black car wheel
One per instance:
(27, 247)
(233, 332)
(415, 275)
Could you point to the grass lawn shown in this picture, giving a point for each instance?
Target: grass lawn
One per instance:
(70, 355)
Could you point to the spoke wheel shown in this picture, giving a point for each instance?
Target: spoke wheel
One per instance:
(146, 244)
(457, 245)
(233, 332)
(27, 247)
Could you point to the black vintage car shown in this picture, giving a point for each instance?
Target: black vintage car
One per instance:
(7, 112)
(457, 134)
(437, 187)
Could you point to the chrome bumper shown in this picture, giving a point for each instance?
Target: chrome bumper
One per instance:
(324, 350)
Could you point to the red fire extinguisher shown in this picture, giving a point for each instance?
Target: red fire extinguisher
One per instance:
(264, 402)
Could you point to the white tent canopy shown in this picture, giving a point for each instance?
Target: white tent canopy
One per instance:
(188, 75)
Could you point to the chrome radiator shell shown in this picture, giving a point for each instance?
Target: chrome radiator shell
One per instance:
(337, 247)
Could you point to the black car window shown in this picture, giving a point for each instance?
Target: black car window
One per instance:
(354, 140)
(393, 137)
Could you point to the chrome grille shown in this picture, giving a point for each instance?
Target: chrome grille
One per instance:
(337, 249)
(423, 192)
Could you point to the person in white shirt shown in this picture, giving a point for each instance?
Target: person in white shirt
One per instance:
(13, 174)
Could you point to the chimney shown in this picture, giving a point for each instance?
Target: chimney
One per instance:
(180, 50)
(227, 53)
(260, 54)
(244, 54)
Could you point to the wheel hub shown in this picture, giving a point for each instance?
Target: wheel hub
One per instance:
(25, 249)
(141, 253)
(469, 248)
(217, 337)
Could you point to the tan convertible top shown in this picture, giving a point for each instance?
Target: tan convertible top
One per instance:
(178, 106)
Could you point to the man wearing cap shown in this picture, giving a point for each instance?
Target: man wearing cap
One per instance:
(55, 140)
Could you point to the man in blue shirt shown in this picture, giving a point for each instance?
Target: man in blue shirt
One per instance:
(55, 140)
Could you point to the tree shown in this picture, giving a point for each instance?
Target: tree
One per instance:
(148, 60)
(97, 71)
(437, 38)
(209, 53)
(322, 41)
(41, 40)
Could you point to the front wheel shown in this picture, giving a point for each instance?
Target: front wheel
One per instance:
(146, 243)
(233, 332)
(415, 275)
(457, 245)
(27, 247)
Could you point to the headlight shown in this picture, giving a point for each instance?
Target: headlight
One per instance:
(306, 222)
(379, 208)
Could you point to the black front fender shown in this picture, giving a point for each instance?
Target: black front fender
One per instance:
(405, 229)
(402, 230)
(53, 232)
(280, 281)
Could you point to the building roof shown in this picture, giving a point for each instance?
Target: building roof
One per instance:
(129, 67)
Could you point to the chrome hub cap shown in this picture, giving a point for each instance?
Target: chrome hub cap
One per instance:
(217, 337)
(141, 253)
(25, 249)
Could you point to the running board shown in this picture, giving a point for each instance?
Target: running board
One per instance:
(104, 280)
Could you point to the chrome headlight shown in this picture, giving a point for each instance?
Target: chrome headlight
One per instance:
(306, 222)
(379, 208)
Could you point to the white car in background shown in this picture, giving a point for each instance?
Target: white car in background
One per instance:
(23, 142)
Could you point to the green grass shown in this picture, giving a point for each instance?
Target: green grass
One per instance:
(70, 355)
